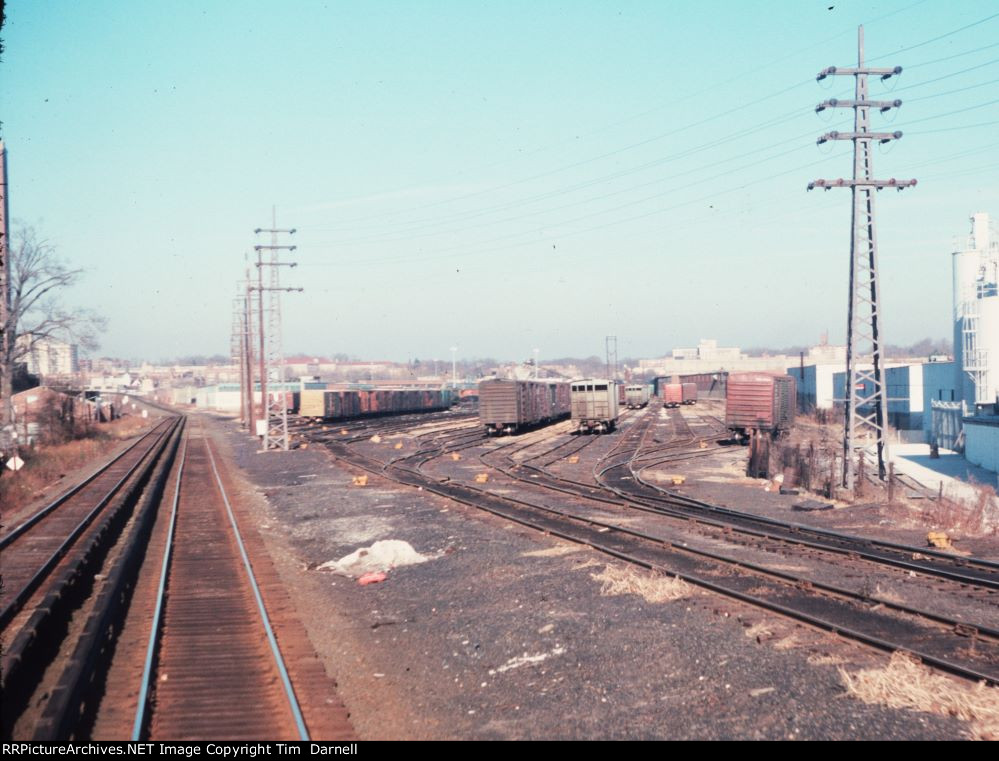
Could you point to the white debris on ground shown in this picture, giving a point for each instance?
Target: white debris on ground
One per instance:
(383, 555)
(526, 660)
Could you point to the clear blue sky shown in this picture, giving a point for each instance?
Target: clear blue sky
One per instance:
(499, 176)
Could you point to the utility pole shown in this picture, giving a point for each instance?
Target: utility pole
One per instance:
(237, 350)
(866, 397)
(275, 408)
(248, 390)
(6, 370)
(610, 346)
(454, 367)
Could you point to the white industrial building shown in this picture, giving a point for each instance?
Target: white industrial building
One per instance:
(709, 357)
(976, 345)
(49, 356)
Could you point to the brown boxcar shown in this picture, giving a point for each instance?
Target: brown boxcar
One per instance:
(763, 402)
(672, 394)
(507, 406)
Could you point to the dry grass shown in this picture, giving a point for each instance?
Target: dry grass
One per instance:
(906, 683)
(651, 587)
(978, 516)
(824, 659)
(553, 552)
(759, 632)
(46, 465)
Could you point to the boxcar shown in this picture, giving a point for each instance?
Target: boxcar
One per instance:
(595, 405)
(508, 406)
(689, 393)
(759, 403)
(637, 396)
(339, 404)
(672, 394)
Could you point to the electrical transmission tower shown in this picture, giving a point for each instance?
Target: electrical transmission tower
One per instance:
(272, 392)
(610, 346)
(866, 398)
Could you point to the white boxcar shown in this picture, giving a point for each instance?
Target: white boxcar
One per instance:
(594, 405)
(637, 396)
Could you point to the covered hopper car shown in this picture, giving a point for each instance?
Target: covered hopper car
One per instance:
(595, 405)
(508, 406)
(757, 402)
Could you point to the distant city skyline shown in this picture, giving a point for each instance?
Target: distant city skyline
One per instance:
(498, 178)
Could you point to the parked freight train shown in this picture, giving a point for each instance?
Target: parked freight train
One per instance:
(330, 404)
(595, 405)
(759, 403)
(508, 406)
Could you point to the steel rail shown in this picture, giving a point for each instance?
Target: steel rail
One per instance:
(14, 533)
(289, 689)
(480, 499)
(21, 596)
(147, 669)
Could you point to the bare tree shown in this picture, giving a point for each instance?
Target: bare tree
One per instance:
(37, 280)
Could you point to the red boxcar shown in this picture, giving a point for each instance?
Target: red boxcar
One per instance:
(672, 394)
(763, 402)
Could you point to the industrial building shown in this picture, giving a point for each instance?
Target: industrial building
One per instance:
(46, 357)
(976, 345)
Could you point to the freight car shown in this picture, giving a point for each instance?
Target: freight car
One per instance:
(595, 405)
(637, 396)
(672, 394)
(508, 406)
(689, 393)
(758, 403)
(339, 404)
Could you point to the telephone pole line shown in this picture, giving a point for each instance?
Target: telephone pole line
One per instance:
(6, 374)
(866, 397)
(275, 408)
(237, 350)
(610, 349)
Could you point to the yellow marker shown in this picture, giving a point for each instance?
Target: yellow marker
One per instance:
(398, 445)
(676, 480)
(574, 459)
(343, 431)
(455, 456)
(481, 478)
(361, 480)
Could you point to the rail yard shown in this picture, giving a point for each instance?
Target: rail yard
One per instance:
(485, 374)
(534, 562)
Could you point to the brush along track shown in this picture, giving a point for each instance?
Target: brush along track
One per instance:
(938, 641)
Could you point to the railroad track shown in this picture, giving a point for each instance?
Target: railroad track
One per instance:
(178, 638)
(967, 650)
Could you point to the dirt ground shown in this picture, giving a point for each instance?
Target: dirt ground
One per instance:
(504, 633)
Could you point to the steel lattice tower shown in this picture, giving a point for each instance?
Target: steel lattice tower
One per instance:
(272, 380)
(610, 346)
(866, 398)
